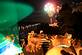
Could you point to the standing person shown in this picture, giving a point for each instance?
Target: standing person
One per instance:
(34, 46)
(44, 41)
(41, 34)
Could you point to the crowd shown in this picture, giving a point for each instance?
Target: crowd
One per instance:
(41, 44)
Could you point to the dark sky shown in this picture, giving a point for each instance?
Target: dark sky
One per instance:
(39, 15)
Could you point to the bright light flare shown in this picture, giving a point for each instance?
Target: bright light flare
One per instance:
(11, 50)
(49, 7)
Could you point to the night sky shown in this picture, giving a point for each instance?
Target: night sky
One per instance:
(70, 21)
(39, 15)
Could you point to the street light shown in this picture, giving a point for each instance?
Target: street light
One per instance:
(51, 9)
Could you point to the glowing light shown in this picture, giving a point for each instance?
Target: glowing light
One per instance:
(4, 43)
(11, 50)
(8, 48)
(11, 13)
(54, 24)
(51, 9)
(63, 46)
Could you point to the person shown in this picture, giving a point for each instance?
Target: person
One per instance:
(30, 35)
(34, 46)
(41, 34)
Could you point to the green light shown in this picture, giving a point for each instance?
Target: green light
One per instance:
(2, 38)
(11, 13)
(4, 43)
